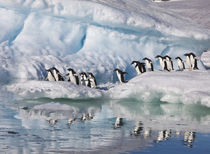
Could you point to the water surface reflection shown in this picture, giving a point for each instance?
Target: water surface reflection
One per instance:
(62, 125)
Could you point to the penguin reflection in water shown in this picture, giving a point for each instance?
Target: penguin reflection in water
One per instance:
(120, 75)
(118, 122)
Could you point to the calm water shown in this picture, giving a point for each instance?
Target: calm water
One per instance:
(41, 126)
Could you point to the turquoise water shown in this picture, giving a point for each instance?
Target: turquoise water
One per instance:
(27, 126)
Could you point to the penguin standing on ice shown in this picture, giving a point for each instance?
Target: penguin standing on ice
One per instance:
(193, 61)
(148, 64)
(57, 74)
(73, 77)
(50, 76)
(140, 67)
(188, 61)
(162, 62)
(84, 79)
(92, 79)
(169, 63)
(120, 75)
(180, 63)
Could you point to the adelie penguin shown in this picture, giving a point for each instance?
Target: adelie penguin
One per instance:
(149, 64)
(84, 79)
(92, 79)
(57, 74)
(180, 63)
(169, 63)
(162, 62)
(120, 75)
(188, 62)
(140, 67)
(193, 61)
(73, 76)
(50, 76)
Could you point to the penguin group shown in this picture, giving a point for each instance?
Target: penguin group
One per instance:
(166, 64)
(89, 80)
(82, 78)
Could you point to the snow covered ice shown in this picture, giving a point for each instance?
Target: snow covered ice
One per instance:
(98, 36)
(95, 36)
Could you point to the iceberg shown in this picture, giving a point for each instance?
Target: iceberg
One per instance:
(98, 36)
(95, 36)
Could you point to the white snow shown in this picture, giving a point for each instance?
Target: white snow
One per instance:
(40, 89)
(187, 87)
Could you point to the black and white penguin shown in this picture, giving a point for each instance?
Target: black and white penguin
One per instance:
(50, 76)
(180, 63)
(57, 74)
(162, 62)
(163, 135)
(73, 76)
(84, 79)
(138, 128)
(149, 64)
(189, 137)
(140, 67)
(193, 61)
(169, 63)
(92, 79)
(120, 75)
(118, 122)
(188, 61)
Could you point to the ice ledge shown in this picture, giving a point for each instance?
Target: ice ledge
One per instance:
(187, 87)
(205, 58)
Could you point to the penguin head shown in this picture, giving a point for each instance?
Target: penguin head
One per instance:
(145, 58)
(186, 54)
(116, 70)
(178, 58)
(48, 70)
(158, 56)
(192, 54)
(167, 57)
(71, 70)
(83, 74)
(136, 63)
(53, 68)
(90, 74)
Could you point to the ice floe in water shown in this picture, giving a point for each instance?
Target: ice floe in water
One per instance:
(40, 89)
(93, 35)
(188, 87)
